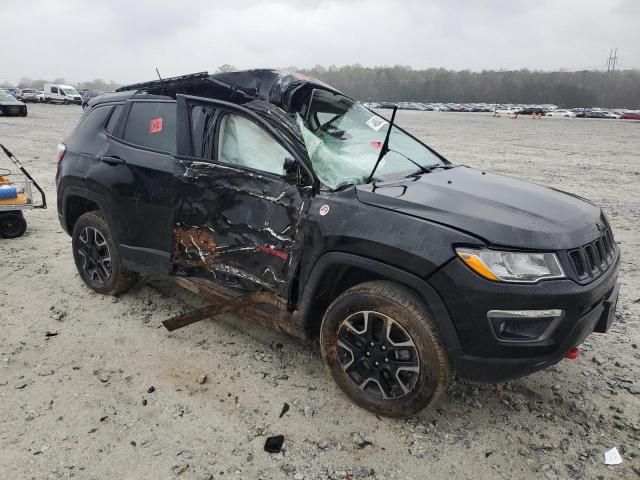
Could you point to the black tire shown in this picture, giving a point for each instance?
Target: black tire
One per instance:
(66, 102)
(12, 224)
(96, 257)
(392, 386)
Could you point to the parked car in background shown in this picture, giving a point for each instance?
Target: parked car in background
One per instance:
(57, 93)
(531, 111)
(27, 95)
(631, 115)
(10, 105)
(499, 111)
(581, 112)
(561, 113)
(41, 96)
(88, 95)
(597, 114)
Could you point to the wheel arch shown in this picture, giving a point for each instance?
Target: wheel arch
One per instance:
(78, 201)
(74, 207)
(335, 272)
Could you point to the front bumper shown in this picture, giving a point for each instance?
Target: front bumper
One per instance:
(485, 357)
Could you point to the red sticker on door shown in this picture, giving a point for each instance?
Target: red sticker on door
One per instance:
(155, 125)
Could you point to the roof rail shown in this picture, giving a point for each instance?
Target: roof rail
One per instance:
(166, 82)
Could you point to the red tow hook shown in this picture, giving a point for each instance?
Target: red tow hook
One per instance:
(573, 353)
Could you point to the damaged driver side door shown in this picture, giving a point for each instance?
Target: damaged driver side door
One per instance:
(240, 202)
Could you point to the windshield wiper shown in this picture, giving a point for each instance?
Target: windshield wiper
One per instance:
(423, 169)
(385, 145)
(430, 168)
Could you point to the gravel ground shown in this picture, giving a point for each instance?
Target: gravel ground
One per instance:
(93, 387)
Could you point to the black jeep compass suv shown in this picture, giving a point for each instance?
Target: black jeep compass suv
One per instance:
(409, 268)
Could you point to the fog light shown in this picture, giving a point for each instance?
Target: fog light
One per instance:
(524, 325)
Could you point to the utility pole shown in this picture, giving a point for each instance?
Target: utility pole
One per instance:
(611, 68)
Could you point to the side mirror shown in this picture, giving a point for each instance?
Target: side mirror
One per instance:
(291, 170)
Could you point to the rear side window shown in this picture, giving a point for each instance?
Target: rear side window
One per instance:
(113, 119)
(152, 125)
(90, 125)
(54, 89)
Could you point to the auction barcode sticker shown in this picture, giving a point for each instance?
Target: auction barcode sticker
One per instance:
(376, 123)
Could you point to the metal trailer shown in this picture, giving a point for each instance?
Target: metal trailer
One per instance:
(16, 196)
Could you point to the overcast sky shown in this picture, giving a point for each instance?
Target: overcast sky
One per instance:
(124, 40)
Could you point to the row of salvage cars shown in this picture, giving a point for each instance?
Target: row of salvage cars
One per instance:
(547, 110)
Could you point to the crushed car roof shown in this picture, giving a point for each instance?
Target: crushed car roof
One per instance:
(273, 86)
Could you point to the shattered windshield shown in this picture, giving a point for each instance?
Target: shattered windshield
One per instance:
(344, 139)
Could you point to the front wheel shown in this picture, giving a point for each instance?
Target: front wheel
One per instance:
(96, 257)
(383, 349)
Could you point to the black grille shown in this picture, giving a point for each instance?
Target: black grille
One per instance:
(576, 259)
(595, 258)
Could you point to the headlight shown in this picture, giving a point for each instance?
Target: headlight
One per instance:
(511, 266)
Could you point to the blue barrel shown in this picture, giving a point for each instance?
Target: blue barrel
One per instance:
(8, 191)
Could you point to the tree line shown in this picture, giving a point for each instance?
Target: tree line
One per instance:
(588, 88)
(584, 88)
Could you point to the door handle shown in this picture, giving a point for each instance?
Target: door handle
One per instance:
(113, 160)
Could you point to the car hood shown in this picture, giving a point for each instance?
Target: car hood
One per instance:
(10, 101)
(502, 211)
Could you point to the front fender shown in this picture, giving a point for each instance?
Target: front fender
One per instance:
(324, 271)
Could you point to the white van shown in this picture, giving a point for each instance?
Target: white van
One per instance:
(56, 93)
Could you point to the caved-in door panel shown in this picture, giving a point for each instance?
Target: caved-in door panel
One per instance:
(235, 226)
(238, 215)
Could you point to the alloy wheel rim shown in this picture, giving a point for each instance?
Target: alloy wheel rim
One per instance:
(95, 257)
(378, 355)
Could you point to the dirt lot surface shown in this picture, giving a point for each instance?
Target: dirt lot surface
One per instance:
(93, 387)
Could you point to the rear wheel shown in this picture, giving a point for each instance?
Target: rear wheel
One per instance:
(96, 257)
(383, 350)
(12, 224)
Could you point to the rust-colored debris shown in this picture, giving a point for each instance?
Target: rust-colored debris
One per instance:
(262, 308)
(193, 246)
(232, 304)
